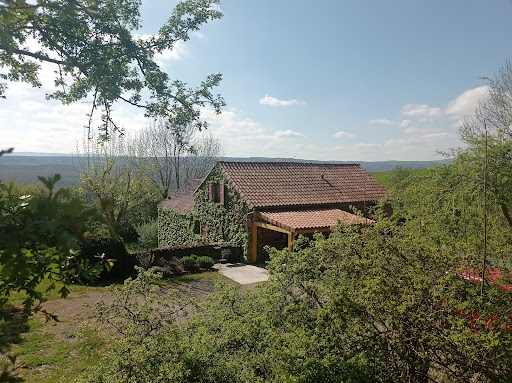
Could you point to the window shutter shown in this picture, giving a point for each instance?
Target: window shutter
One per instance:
(210, 191)
(221, 186)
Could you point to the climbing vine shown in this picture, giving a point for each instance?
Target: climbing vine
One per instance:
(222, 223)
(226, 222)
(175, 228)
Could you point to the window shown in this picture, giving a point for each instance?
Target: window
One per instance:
(216, 192)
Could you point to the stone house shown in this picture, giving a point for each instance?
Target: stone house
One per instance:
(266, 203)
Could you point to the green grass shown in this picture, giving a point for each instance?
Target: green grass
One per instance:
(47, 357)
(53, 293)
(45, 353)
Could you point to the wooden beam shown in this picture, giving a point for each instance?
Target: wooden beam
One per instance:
(290, 242)
(254, 250)
(273, 228)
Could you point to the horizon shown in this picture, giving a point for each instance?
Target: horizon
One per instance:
(44, 154)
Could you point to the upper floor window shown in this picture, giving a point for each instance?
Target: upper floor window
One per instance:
(216, 192)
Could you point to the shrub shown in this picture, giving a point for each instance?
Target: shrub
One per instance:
(205, 262)
(148, 234)
(189, 262)
(173, 266)
(124, 263)
(145, 259)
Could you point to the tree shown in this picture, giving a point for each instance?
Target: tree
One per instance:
(116, 176)
(206, 149)
(488, 140)
(97, 53)
(176, 154)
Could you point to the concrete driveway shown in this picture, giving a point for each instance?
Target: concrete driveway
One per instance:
(242, 273)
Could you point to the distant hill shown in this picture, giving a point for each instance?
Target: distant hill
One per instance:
(370, 166)
(26, 168)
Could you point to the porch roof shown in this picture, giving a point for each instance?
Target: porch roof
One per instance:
(309, 220)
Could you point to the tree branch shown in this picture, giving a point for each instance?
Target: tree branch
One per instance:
(38, 56)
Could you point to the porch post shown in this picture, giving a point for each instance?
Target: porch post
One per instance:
(254, 242)
(290, 241)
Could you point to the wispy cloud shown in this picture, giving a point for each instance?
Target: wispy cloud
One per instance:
(288, 134)
(342, 134)
(420, 110)
(272, 101)
(382, 121)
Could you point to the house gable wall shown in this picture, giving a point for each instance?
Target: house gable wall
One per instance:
(223, 223)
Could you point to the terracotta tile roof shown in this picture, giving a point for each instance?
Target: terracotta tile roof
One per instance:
(297, 220)
(272, 184)
(183, 199)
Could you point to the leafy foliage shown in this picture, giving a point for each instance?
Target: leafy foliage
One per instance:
(205, 262)
(116, 177)
(115, 252)
(233, 337)
(74, 35)
(148, 234)
(175, 228)
(376, 304)
(40, 238)
(189, 263)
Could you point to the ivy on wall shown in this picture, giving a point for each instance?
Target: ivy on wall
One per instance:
(223, 223)
(175, 228)
(228, 222)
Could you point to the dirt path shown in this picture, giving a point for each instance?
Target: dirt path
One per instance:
(79, 309)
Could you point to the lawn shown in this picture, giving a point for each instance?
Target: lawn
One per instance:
(48, 350)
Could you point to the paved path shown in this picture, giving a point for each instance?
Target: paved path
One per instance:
(242, 273)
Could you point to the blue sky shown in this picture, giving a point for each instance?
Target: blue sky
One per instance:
(331, 80)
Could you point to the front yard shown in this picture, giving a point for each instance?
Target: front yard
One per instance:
(62, 348)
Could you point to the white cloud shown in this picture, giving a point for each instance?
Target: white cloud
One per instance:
(467, 102)
(342, 134)
(418, 148)
(420, 110)
(382, 121)
(31, 106)
(198, 34)
(288, 134)
(244, 137)
(216, 7)
(405, 123)
(178, 51)
(425, 130)
(272, 101)
(410, 127)
(228, 123)
(56, 128)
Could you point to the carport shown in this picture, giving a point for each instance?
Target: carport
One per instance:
(303, 221)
